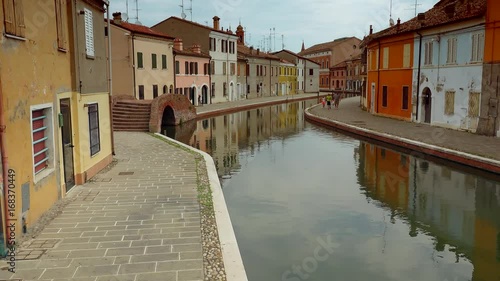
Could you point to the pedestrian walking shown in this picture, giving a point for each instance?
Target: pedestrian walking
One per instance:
(323, 101)
(329, 101)
(337, 100)
(200, 101)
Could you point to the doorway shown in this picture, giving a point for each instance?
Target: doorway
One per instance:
(192, 95)
(427, 105)
(67, 144)
(204, 94)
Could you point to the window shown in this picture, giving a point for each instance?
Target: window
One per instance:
(212, 67)
(186, 68)
(474, 101)
(141, 92)
(247, 69)
(477, 47)
(449, 103)
(89, 33)
(163, 61)
(385, 63)
(213, 90)
(60, 21)
(95, 142)
(233, 68)
(405, 97)
(154, 61)
(41, 137)
(177, 67)
(428, 53)
(213, 44)
(224, 86)
(224, 68)
(452, 51)
(265, 70)
(195, 68)
(311, 72)
(384, 96)
(205, 69)
(14, 17)
(164, 89)
(406, 57)
(140, 62)
(155, 91)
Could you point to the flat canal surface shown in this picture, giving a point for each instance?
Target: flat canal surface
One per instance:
(308, 203)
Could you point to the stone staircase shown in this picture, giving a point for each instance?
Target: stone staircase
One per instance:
(131, 115)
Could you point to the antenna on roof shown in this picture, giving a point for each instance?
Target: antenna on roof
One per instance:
(415, 6)
(282, 41)
(190, 9)
(391, 21)
(183, 14)
(136, 18)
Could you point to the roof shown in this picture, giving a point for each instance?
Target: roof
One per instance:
(285, 61)
(294, 54)
(190, 53)
(246, 51)
(325, 46)
(141, 29)
(444, 12)
(340, 65)
(195, 24)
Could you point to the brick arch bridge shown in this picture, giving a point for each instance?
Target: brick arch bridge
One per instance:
(170, 109)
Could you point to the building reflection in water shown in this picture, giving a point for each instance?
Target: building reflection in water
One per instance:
(459, 210)
(232, 138)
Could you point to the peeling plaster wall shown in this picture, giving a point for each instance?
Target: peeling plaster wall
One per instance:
(32, 73)
(462, 77)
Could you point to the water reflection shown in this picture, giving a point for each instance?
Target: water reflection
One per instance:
(393, 216)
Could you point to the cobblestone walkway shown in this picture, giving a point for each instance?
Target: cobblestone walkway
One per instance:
(350, 113)
(139, 221)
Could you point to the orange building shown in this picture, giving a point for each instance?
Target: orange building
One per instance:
(489, 121)
(390, 72)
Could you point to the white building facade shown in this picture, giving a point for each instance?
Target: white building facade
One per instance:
(448, 86)
(223, 51)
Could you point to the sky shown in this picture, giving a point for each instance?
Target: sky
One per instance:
(288, 23)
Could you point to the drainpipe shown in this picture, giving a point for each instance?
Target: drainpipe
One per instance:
(110, 80)
(418, 73)
(175, 70)
(134, 67)
(270, 82)
(378, 76)
(5, 169)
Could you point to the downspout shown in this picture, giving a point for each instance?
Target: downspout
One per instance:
(418, 73)
(133, 65)
(378, 76)
(270, 82)
(175, 70)
(110, 80)
(246, 77)
(5, 169)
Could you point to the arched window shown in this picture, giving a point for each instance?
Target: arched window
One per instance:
(164, 89)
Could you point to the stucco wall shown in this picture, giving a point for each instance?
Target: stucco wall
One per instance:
(31, 73)
(123, 62)
(183, 80)
(219, 78)
(148, 76)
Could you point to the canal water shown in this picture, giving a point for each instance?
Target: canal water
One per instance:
(308, 203)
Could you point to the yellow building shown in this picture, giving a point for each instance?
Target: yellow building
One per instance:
(287, 78)
(53, 137)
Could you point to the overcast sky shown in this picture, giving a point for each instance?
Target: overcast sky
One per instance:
(314, 21)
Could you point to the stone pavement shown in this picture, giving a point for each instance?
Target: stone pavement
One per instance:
(350, 113)
(207, 108)
(139, 221)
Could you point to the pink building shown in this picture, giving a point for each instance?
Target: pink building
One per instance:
(192, 73)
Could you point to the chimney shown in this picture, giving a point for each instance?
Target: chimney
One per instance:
(398, 24)
(421, 17)
(251, 50)
(450, 10)
(371, 29)
(216, 22)
(196, 49)
(258, 51)
(178, 44)
(117, 18)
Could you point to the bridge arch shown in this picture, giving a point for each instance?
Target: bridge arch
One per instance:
(170, 110)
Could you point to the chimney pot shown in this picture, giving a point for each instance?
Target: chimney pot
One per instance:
(421, 16)
(216, 22)
(178, 44)
(196, 49)
(117, 17)
(258, 51)
(371, 29)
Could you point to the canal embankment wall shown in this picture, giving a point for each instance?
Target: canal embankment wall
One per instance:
(455, 155)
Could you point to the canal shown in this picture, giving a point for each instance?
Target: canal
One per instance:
(309, 203)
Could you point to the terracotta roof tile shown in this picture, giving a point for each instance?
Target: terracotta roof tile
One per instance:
(141, 29)
(190, 53)
(324, 46)
(444, 12)
(295, 54)
(196, 24)
(245, 51)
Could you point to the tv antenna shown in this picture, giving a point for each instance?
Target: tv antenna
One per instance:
(136, 18)
(391, 21)
(415, 7)
(190, 10)
(183, 14)
(282, 41)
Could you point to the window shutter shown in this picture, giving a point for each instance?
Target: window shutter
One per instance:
(39, 146)
(89, 33)
(9, 16)
(19, 13)
(60, 19)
